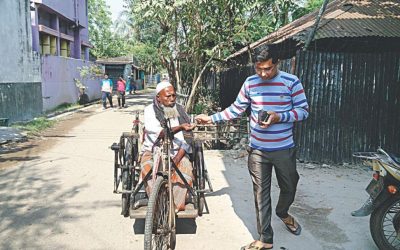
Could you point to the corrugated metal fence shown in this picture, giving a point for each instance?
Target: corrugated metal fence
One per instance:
(20, 101)
(354, 102)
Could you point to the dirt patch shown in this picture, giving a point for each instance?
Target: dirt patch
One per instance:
(17, 152)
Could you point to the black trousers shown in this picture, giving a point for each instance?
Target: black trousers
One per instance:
(121, 95)
(260, 165)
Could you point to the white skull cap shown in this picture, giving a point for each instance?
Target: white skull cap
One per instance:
(162, 85)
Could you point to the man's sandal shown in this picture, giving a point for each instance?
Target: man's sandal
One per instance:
(292, 225)
(252, 246)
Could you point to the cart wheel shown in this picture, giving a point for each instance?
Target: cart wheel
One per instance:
(116, 172)
(125, 197)
(201, 200)
(157, 232)
(200, 177)
(126, 154)
(134, 171)
(135, 151)
(121, 151)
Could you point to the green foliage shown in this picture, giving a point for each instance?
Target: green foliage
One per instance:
(146, 54)
(35, 126)
(312, 5)
(106, 43)
(187, 37)
(87, 72)
(194, 35)
(207, 101)
(90, 72)
(309, 6)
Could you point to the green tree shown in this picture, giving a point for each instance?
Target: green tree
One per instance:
(125, 27)
(105, 42)
(309, 6)
(193, 36)
(147, 56)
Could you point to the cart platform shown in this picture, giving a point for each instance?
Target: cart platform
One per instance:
(189, 213)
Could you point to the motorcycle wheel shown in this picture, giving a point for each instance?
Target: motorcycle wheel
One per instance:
(383, 224)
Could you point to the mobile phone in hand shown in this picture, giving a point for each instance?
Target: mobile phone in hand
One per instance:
(262, 116)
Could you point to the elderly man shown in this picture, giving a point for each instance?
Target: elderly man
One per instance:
(164, 107)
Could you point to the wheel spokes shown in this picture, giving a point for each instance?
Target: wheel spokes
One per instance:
(161, 230)
(388, 227)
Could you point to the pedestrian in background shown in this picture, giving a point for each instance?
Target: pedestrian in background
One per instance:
(276, 100)
(106, 91)
(121, 85)
(132, 85)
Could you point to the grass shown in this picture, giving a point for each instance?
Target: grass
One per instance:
(62, 107)
(35, 126)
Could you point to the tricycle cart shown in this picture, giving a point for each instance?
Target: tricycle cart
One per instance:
(158, 209)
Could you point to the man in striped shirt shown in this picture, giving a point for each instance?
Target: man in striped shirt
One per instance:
(282, 96)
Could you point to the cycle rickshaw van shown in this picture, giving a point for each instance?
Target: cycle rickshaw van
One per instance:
(158, 208)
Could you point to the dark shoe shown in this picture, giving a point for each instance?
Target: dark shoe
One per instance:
(252, 246)
(292, 225)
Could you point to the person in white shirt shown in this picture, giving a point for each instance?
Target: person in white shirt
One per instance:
(163, 109)
(106, 91)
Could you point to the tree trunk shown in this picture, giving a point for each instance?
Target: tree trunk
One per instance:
(177, 76)
(193, 91)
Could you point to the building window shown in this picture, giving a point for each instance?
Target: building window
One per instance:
(44, 18)
(65, 49)
(65, 27)
(48, 44)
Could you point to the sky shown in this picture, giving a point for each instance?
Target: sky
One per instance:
(116, 6)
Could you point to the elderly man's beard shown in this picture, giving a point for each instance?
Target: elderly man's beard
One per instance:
(170, 112)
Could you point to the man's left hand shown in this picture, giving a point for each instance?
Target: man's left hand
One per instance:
(273, 118)
(187, 126)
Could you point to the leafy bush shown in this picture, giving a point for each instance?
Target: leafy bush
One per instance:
(207, 101)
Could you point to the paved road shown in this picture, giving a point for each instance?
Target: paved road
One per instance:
(63, 199)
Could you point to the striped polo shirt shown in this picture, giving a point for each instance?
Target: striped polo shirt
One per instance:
(283, 94)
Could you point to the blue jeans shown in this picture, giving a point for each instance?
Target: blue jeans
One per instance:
(104, 96)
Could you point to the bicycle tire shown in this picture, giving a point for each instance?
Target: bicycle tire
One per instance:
(128, 151)
(157, 234)
(200, 178)
(125, 200)
(121, 150)
(125, 155)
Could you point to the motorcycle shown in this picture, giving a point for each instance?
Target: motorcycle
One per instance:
(384, 202)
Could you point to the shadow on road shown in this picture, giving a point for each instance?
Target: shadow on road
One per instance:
(322, 205)
(239, 189)
(32, 206)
